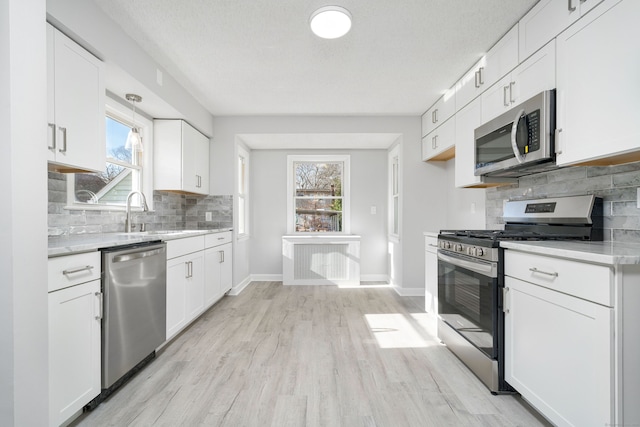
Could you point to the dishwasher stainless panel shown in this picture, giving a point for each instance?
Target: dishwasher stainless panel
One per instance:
(134, 323)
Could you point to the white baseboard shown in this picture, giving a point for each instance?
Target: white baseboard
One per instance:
(240, 286)
(374, 278)
(266, 277)
(409, 292)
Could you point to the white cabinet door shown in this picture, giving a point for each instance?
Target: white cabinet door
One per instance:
(431, 275)
(213, 262)
(559, 354)
(226, 269)
(549, 18)
(501, 58)
(598, 86)
(177, 270)
(74, 349)
(218, 273)
(194, 282)
(185, 290)
(444, 108)
(440, 144)
(467, 120)
(535, 75)
(76, 103)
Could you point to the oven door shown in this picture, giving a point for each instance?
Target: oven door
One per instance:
(468, 299)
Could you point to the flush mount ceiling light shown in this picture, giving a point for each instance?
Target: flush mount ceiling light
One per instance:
(134, 141)
(330, 22)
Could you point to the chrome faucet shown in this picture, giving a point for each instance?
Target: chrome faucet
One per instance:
(127, 222)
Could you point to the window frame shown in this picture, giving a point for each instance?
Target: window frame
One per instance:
(123, 113)
(243, 196)
(394, 165)
(345, 159)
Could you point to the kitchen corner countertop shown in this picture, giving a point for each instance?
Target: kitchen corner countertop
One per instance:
(67, 245)
(609, 253)
(430, 234)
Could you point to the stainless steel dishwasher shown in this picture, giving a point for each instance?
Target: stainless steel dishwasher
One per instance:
(134, 324)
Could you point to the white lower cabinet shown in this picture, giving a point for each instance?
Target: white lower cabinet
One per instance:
(431, 274)
(559, 354)
(198, 274)
(560, 339)
(185, 282)
(218, 269)
(75, 313)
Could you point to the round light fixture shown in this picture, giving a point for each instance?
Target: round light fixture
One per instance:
(330, 22)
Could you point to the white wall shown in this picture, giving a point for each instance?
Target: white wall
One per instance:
(269, 204)
(424, 186)
(465, 206)
(23, 252)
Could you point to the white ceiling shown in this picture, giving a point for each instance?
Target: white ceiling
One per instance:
(258, 57)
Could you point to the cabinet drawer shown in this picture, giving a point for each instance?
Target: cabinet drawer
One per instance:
(430, 243)
(179, 247)
(587, 281)
(216, 239)
(70, 270)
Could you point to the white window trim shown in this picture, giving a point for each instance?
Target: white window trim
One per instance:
(394, 153)
(242, 152)
(346, 191)
(123, 114)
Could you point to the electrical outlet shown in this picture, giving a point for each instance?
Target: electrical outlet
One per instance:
(374, 210)
(208, 216)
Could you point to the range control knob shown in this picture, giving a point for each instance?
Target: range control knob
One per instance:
(479, 252)
(470, 251)
(458, 248)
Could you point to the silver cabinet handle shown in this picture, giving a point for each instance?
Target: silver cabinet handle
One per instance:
(504, 96)
(53, 136)
(511, 100)
(481, 78)
(435, 116)
(221, 256)
(434, 142)
(535, 270)
(570, 6)
(64, 139)
(100, 306)
(187, 273)
(477, 79)
(77, 269)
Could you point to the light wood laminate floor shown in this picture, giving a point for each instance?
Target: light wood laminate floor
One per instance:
(309, 356)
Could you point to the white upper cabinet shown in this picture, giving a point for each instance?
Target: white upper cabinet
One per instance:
(181, 157)
(76, 106)
(547, 19)
(467, 120)
(444, 108)
(536, 74)
(598, 87)
(440, 144)
(501, 58)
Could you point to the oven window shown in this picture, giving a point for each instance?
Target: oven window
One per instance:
(467, 301)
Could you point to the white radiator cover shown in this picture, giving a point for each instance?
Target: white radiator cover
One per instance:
(321, 260)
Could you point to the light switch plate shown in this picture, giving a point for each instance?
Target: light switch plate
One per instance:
(208, 216)
(374, 210)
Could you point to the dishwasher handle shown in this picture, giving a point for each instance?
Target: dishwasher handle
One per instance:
(137, 255)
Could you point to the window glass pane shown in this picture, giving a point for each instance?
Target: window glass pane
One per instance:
(395, 215)
(116, 138)
(329, 221)
(318, 179)
(395, 175)
(241, 175)
(241, 216)
(110, 187)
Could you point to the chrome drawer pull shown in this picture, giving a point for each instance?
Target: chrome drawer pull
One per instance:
(535, 270)
(77, 269)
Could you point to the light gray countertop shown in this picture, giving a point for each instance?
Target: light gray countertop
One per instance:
(609, 253)
(77, 243)
(430, 233)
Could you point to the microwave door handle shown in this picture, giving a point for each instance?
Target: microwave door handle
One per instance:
(514, 132)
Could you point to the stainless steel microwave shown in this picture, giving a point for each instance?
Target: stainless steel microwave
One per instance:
(520, 141)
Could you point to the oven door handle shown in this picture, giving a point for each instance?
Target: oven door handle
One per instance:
(486, 269)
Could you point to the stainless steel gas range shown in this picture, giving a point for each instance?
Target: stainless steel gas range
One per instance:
(471, 276)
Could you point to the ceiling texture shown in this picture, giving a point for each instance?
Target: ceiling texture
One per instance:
(259, 57)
